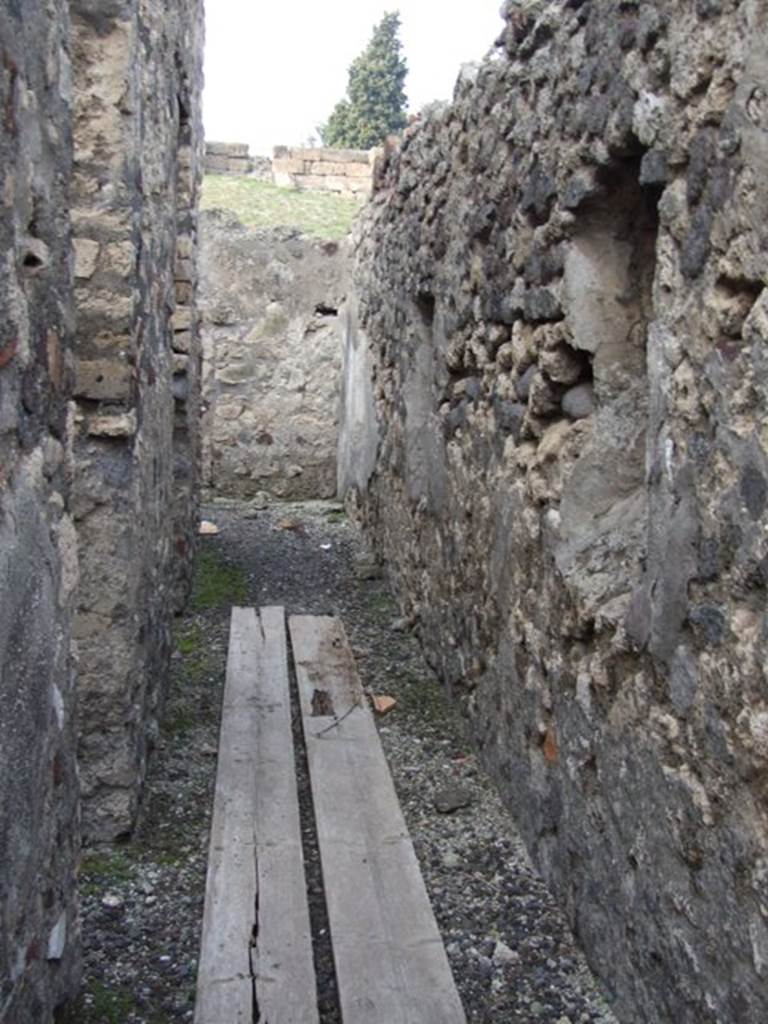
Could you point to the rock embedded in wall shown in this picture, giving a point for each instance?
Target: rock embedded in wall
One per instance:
(562, 290)
(39, 826)
(270, 302)
(137, 76)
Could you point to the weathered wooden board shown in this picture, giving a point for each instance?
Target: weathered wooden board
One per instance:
(391, 965)
(286, 991)
(256, 946)
(224, 981)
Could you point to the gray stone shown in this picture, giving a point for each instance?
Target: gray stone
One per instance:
(653, 168)
(579, 402)
(523, 385)
(754, 491)
(451, 798)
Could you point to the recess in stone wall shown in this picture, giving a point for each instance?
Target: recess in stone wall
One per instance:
(608, 279)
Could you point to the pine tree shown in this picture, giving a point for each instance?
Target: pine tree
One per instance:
(374, 106)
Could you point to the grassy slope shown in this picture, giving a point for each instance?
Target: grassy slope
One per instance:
(263, 205)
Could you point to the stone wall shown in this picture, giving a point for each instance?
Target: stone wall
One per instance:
(272, 354)
(346, 171)
(235, 158)
(136, 70)
(562, 332)
(39, 947)
(99, 440)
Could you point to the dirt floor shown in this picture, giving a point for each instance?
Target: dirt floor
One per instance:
(510, 950)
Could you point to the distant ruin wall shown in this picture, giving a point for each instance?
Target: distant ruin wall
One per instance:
(345, 171)
(563, 453)
(272, 356)
(137, 77)
(39, 838)
(234, 158)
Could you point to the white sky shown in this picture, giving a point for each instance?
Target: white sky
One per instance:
(275, 70)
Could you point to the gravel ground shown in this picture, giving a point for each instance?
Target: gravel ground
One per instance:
(511, 953)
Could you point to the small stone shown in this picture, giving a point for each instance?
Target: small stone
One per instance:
(58, 938)
(504, 956)
(579, 401)
(523, 386)
(382, 704)
(450, 799)
(111, 901)
(451, 860)
(484, 966)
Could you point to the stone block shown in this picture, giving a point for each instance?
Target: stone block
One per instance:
(86, 257)
(103, 379)
(114, 425)
(181, 319)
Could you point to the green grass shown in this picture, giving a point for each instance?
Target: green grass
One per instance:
(217, 584)
(100, 869)
(260, 204)
(189, 639)
(106, 1005)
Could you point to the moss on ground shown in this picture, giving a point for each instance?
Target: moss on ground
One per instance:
(189, 639)
(217, 583)
(100, 869)
(100, 1004)
(425, 698)
(260, 204)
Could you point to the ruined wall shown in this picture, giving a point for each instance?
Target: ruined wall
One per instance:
(136, 68)
(346, 171)
(235, 158)
(39, 841)
(272, 353)
(563, 330)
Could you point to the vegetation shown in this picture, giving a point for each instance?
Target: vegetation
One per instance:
(217, 584)
(100, 869)
(260, 204)
(374, 106)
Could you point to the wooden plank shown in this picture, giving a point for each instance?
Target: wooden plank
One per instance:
(286, 992)
(390, 961)
(256, 946)
(224, 982)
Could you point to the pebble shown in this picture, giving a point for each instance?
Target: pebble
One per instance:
(503, 955)
(451, 798)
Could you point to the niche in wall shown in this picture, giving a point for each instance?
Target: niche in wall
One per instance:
(608, 293)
